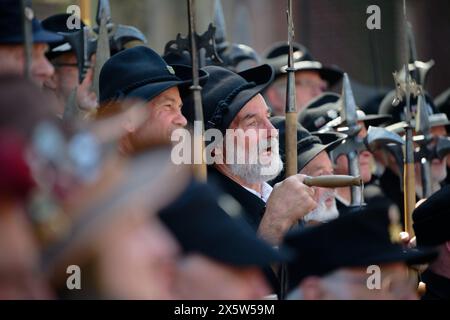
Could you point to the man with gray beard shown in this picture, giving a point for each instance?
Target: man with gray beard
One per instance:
(247, 156)
(313, 161)
(245, 153)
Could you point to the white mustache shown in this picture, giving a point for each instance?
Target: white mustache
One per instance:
(271, 144)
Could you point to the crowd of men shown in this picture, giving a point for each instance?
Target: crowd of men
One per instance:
(93, 206)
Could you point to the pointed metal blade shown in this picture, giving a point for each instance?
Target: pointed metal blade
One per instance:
(103, 50)
(422, 120)
(348, 111)
(219, 23)
(103, 10)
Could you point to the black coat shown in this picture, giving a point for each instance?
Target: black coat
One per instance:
(254, 208)
(437, 287)
(391, 185)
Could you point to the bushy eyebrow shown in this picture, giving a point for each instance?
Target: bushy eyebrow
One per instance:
(165, 99)
(249, 116)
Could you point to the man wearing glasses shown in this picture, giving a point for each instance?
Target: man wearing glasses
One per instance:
(66, 76)
(312, 78)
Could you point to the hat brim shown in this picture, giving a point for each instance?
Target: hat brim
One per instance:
(239, 248)
(390, 254)
(307, 156)
(330, 74)
(262, 76)
(184, 73)
(399, 127)
(333, 76)
(398, 254)
(202, 224)
(373, 120)
(39, 36)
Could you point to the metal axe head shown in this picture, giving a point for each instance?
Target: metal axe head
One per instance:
(379, 137)
(103, 11)
(421, 68)
(123, 35)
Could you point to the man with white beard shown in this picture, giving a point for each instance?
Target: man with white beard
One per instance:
(248, 156)
(313, 161)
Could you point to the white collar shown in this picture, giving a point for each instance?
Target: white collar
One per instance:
(341, 199)
(266, 190)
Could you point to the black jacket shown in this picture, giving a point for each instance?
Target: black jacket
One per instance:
(254, 208)
(391, 185)
(437, 287)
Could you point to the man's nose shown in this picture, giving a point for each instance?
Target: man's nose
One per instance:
(42, 68)
(180, 120)
(271, 131)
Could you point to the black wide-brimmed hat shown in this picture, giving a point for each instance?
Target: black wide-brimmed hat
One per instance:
(277, 55)
(397, 122)
(207, 221)
(140, 72)
(308, 145)
(355, 240)
(324, 111)
(319, 111)
(225, 93)
(58, 23)
(11, 26)
(432, 219)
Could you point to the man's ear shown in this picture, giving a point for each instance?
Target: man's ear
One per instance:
(129, 124)
(312, 288)
(447, 246)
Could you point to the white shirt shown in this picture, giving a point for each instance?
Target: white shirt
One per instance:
(266, 190)
(341, 199)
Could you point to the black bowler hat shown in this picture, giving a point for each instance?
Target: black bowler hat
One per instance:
(58, 23)
(226, 93)
(355, 240)
(432, 219)
(11, 26)
(308, 145)
(140, 72)
(207, 222)
(324, 111)
(277, 55)
(397, 112)
(319, 111)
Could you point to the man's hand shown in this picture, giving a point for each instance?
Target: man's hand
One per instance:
(407, 241)
(289, 202)
(86, 99)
